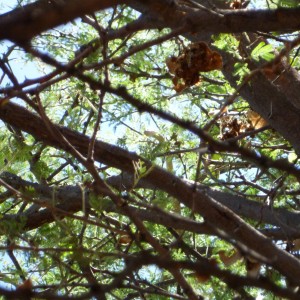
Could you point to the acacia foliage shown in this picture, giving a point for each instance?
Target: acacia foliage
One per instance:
(148, 153)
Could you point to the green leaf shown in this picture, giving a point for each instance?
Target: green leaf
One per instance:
(288, 3)
(240, 69)
(292, 157)
(263, 51)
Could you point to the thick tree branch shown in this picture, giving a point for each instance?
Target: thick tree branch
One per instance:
(69, 199)
(205, 20)
(286, 221)
(266, 99)
(22, 24)
(224, 221)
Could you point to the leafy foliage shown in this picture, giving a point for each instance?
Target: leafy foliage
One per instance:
(136, 165)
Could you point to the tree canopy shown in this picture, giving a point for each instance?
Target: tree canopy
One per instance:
(150, 149)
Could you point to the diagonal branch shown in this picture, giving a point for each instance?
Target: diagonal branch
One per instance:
(224, 221)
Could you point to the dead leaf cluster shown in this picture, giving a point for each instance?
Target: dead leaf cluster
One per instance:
(236, 4)
(195, 58)
(232, 126)
(256, 120)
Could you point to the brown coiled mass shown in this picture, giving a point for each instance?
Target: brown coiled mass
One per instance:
(197, 57)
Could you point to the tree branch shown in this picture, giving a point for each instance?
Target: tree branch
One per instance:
(69, 199)
(22, 24)
(224, 221)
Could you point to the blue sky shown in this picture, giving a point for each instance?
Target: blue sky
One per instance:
(21, 69)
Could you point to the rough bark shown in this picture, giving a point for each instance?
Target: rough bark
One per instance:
(24, 23)
(68, 200)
